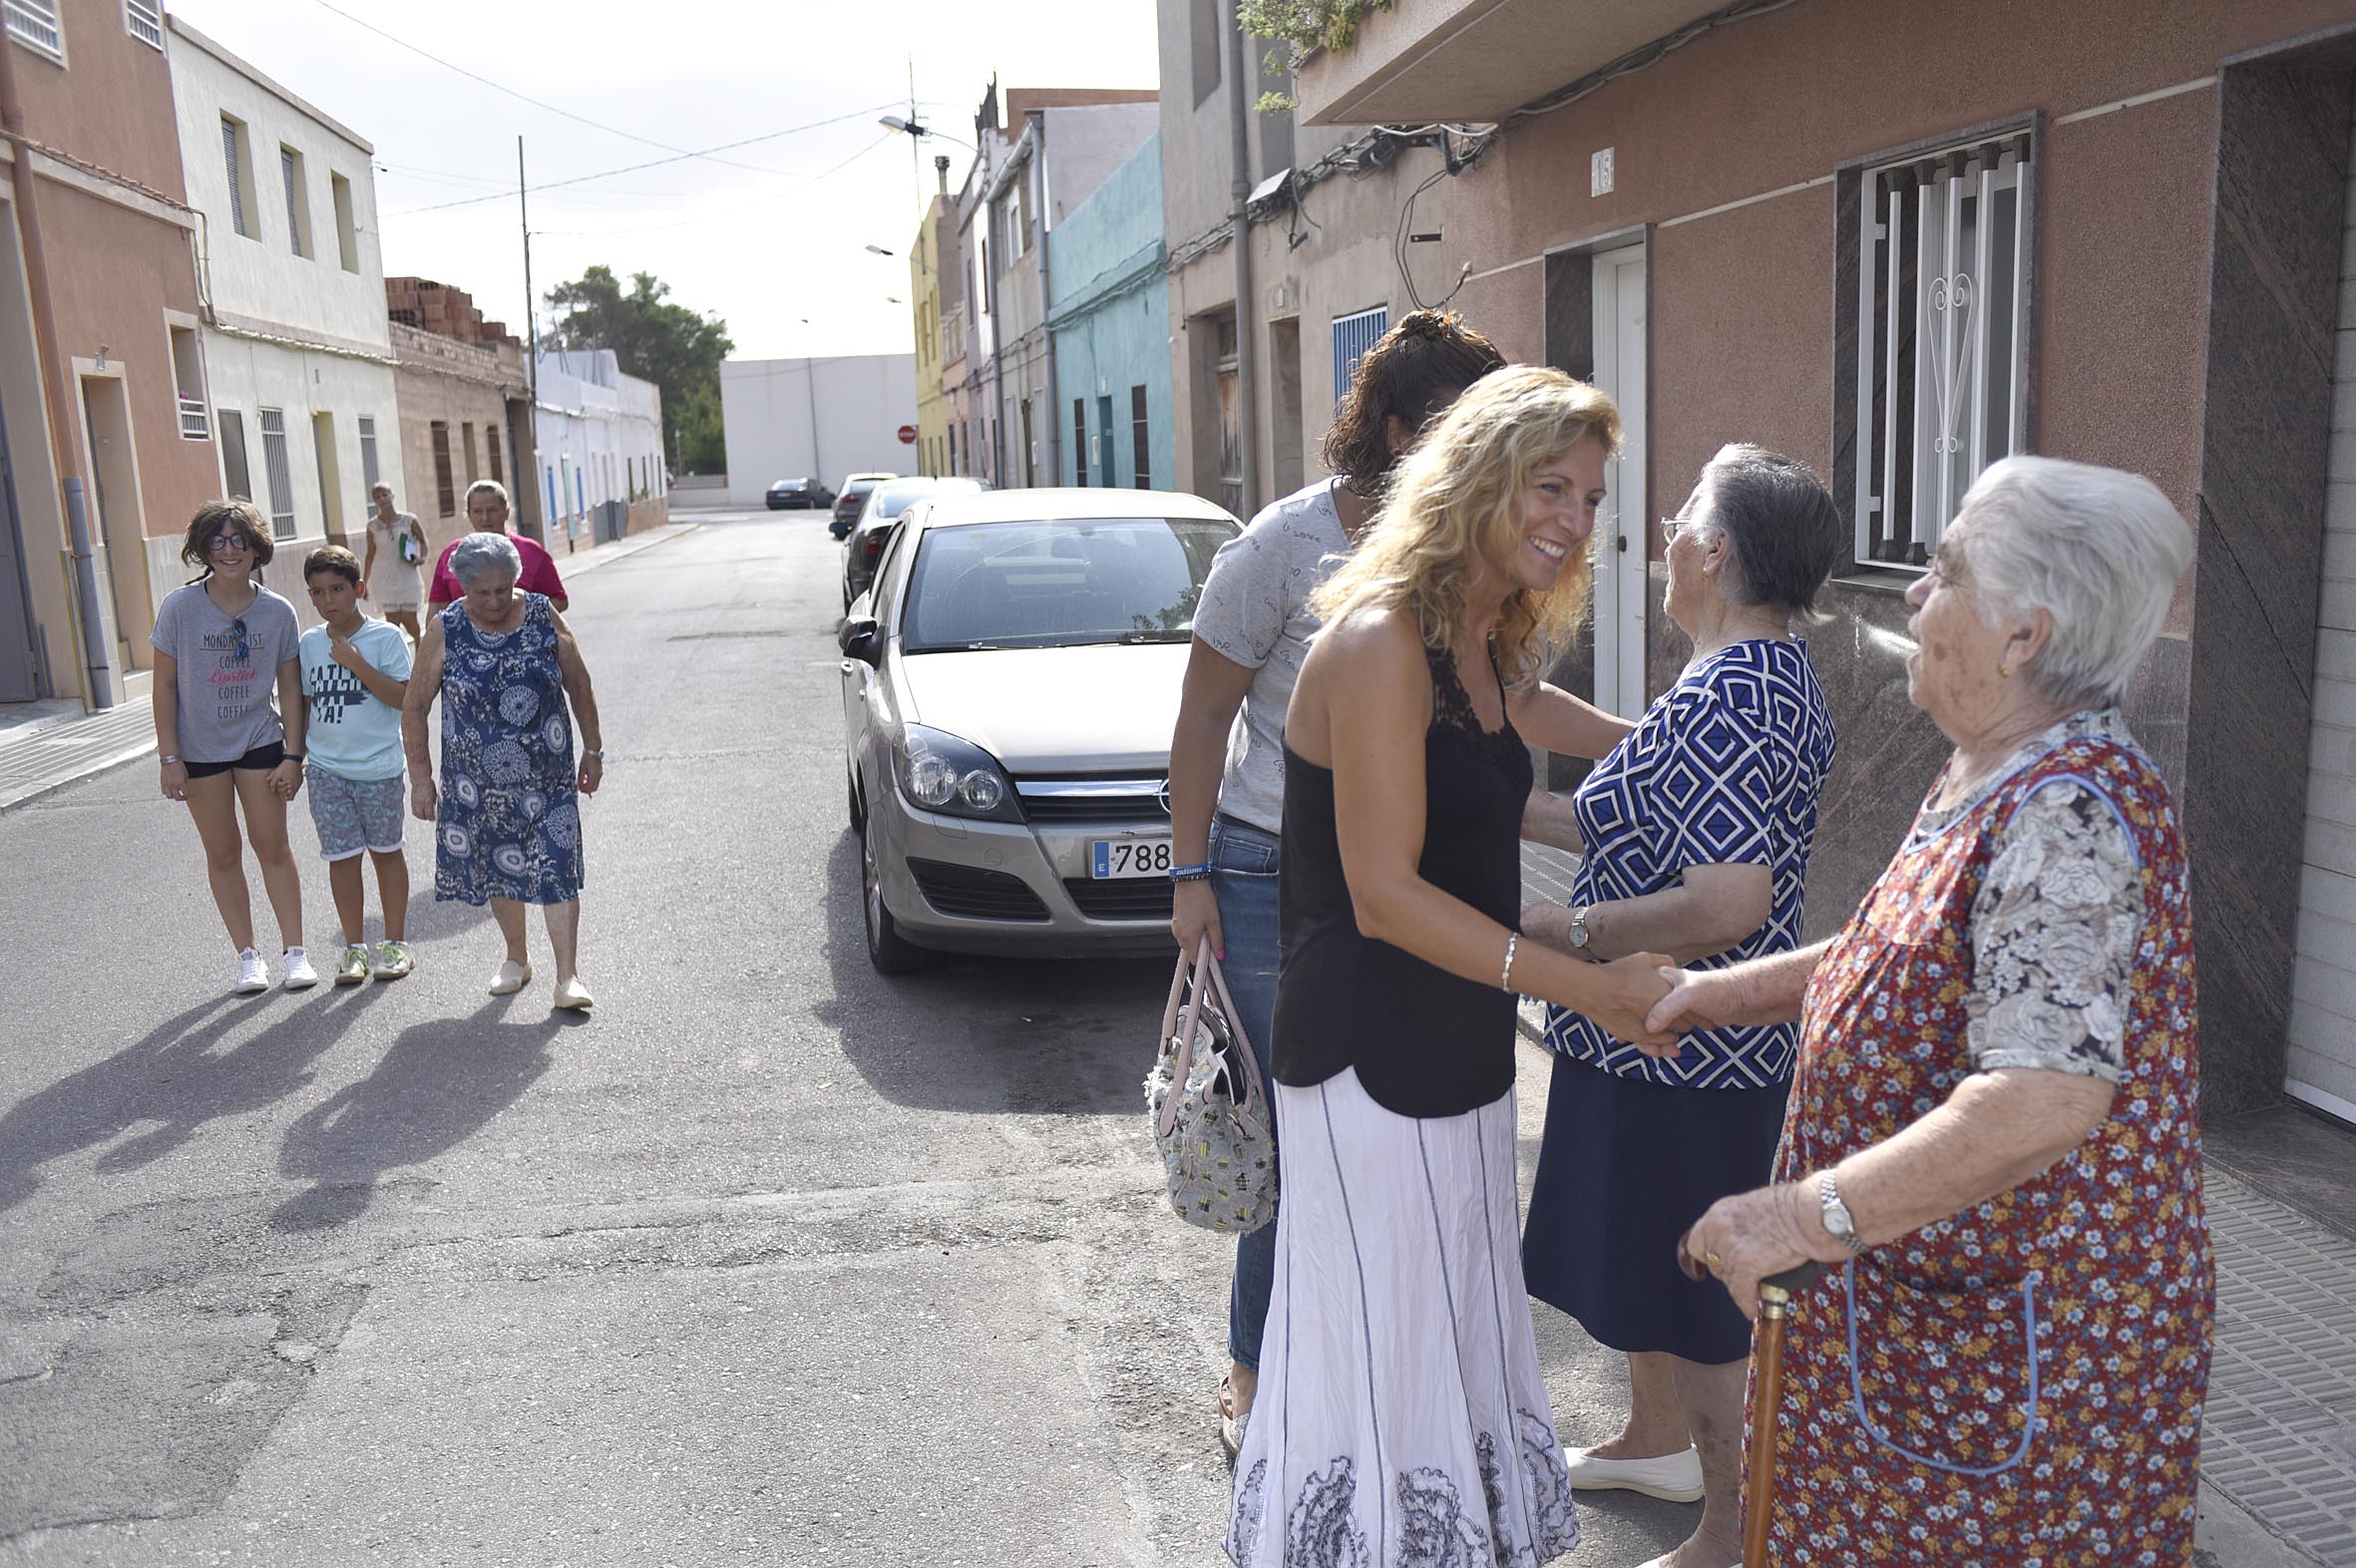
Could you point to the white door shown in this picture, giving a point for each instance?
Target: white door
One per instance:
(2322, 1045)
(1621, 531)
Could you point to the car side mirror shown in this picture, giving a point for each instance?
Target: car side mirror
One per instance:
(861, 639)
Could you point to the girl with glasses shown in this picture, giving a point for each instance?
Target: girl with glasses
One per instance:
(229, 727)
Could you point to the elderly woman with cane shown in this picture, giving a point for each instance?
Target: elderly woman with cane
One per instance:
(1994, 1128)
(507, 813)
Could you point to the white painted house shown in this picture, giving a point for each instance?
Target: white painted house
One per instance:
(601, 440)
(816, 418)
(298, 361)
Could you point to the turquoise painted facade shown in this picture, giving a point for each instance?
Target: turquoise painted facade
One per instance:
(1111, 318)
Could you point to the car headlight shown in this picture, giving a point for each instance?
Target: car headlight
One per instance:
(940, 772)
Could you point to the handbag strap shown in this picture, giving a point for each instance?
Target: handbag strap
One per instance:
(1189, 970)
(1255, 1086)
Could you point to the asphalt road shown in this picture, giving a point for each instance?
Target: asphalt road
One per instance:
(771, 1261)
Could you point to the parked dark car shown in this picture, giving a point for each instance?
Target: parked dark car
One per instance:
(806, 493)
(852, 496)
(877, 518)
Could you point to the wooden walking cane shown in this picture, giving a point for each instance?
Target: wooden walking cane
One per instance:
(1767, 1398)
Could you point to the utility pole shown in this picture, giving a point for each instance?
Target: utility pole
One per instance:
(530, 331)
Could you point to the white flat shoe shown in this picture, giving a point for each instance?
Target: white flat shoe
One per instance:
(1675, 1478)
(512, 978)
(574, 994)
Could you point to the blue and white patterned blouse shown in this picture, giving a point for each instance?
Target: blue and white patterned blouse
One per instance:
(1724, 769)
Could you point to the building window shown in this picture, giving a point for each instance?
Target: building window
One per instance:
(34, 23)
(280, 473)
(1353, 336)
(1210, 42)
(347, 232)
(236, 478)
(188, 376)
(1080, 442)
(1942, 251)
(299, 202)
(145, 22)
(490, 450)
(370, 473)
(1142, 437)
(444, 487)
(466, 437)
(240, 158)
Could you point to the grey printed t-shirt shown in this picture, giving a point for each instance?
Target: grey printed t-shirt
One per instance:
(1255, 611)
(227, 705)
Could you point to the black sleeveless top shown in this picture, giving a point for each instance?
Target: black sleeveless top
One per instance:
(1424, 1042)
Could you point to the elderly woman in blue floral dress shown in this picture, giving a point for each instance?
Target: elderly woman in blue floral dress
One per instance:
(506, 815)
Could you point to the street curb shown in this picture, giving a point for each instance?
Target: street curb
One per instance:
(607, 555)
(145, 748)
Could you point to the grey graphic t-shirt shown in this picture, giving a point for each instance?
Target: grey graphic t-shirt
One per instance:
(227, 683)
(1255, 611)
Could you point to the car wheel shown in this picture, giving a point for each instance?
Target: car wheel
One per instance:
(888, 951)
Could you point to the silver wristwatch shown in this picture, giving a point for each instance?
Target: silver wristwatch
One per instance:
(1579, 929)
(1837, 1220)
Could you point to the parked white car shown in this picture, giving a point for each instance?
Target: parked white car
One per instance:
(1009, 683)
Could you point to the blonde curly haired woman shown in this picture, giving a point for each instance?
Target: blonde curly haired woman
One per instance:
(1407, 772)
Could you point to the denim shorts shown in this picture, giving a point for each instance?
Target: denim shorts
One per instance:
(355, 814)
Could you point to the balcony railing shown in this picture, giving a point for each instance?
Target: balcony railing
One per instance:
(196, 422)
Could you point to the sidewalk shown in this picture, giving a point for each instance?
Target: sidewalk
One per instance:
(2278, 1437)
(47, 745)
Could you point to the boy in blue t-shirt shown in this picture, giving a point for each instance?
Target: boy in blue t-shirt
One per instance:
(355, 673)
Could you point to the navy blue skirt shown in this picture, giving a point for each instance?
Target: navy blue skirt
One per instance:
(1627, 1167)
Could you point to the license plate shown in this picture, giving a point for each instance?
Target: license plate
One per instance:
(1117, 859)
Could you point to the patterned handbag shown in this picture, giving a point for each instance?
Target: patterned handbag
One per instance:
(1210, 1106)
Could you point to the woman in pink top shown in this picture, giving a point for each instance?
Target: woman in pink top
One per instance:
(487, 513)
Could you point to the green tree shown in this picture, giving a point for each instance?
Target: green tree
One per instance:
(676, 348)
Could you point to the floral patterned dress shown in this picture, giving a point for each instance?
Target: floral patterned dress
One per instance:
(2019, 1385)
(510, 823)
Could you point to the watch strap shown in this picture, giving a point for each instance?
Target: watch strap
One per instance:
(1838, 1222)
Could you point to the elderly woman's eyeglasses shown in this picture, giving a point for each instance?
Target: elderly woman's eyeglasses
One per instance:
(1670, 527)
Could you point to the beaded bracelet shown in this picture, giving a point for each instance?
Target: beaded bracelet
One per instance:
(1201, 873)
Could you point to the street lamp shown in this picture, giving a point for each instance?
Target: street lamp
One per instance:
(881, 252)
(919, 131)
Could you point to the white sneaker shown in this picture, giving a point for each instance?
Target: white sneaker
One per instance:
(252, 976)
(299, 974)
(1675, 1478)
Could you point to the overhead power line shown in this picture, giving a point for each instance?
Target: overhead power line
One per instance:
(657, 162)
(501, 87)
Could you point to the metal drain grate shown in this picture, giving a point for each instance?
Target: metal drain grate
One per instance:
(2280, 1431)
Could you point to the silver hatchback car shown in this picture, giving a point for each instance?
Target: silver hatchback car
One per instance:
(1010, 684)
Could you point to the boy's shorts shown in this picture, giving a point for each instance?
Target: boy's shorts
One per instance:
(355, 814)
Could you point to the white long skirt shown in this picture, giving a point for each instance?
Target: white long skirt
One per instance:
(1400, 1419)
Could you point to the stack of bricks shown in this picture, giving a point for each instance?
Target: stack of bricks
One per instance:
(440, 309)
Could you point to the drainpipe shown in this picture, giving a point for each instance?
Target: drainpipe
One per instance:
(1247, 380)
(53, 371)
(997, 337)
(1038, 173)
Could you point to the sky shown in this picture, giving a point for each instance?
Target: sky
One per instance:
(771, 235)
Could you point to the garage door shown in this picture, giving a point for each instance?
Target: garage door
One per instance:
(2322, 1059)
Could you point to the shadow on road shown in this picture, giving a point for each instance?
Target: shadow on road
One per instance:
(442, 1082)
(989, 1035)
(174, 1077)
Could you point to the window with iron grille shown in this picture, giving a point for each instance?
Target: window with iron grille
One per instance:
(1140, 435)
(465, 436)
(278, 471)
(445, 486)
(1080, 441)
(491, 443)
(1943, 254)
(145, 22)
(1353, 336)
(241, 170)
(369, 472)
(34, 22)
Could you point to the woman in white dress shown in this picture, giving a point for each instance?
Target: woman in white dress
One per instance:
(1400, 1416)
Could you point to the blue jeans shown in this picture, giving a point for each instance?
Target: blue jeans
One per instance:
(1244, 881)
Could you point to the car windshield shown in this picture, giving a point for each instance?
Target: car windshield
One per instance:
(890, 501)
(1058, 583)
